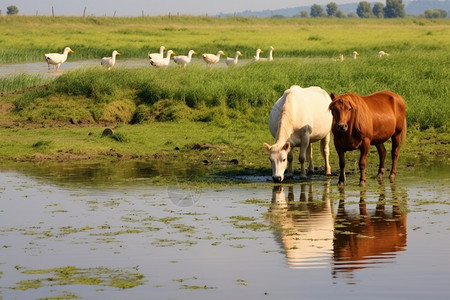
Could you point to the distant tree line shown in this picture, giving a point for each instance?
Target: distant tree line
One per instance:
(393, 9)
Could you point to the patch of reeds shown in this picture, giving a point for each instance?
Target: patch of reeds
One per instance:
(20, 82)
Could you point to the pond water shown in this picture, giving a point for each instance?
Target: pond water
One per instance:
(83, 232)
(41, 68)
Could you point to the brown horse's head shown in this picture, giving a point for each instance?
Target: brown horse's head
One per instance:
(342, 108)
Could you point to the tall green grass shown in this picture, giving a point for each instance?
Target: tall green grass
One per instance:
(20, 82)
(247, 90)
(28, 38)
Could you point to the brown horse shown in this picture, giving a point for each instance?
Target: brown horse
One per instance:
(359, 122)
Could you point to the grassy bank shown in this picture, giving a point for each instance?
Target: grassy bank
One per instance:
(158, 110)
(137, 95)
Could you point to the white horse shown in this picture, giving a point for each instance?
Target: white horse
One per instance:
(300, 117)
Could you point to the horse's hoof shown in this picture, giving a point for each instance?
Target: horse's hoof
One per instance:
(392, 178)
(362, 183)
(341, 183)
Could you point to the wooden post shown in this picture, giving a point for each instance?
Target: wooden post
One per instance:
(84, 13)
(114, 13)
(53, 11)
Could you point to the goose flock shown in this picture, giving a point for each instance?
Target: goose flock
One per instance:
(158, 60)
(356, 54)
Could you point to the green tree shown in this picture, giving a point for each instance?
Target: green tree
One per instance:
(351, 15)
(304, 14)
(394, 9)
(363, 10)
(435, 14)
(340, 14)
(332, 8)
(378, 10)
(12, 10)
(317, 11)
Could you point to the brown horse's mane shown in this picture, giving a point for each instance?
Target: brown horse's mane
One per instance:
(361, 115)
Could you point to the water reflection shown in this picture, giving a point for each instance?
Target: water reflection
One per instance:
(348, 235)
(109, 174)
(304, 227)
(368, 237)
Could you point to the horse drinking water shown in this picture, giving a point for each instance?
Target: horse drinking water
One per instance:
(299, 118)
(359, 122)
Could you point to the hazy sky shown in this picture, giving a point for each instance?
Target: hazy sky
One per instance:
(160, 7)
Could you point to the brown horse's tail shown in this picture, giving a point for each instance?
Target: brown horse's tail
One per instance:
(403, 136)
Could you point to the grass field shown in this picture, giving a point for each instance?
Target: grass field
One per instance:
(306, 50)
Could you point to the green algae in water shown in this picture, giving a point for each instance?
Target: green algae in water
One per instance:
(71, 275)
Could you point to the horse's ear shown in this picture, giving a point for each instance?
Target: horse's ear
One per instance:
(332, 96)
(286, 146)
(267, 146)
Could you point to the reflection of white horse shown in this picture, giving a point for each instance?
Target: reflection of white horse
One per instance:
(299, 118)
(305, 227)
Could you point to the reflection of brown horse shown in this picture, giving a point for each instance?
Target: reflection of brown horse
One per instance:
(312, 235)
(367, 238)
(304, 227)
(359, 122)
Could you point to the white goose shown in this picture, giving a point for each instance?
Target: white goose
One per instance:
(157, 55)
(184, 60)
(109, 62)
(256, 57)
(355, 54)
(211, 59)
(233, 61)
(161, 62)
(382, 53)
(56, 59)
(270, 58)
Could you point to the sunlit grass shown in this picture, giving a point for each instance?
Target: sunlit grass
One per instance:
(28, 38)
(247, 91)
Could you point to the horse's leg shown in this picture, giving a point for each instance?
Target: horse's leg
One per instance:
(310, 160)
(325, 150)
(394, 154)
(289, 174)
(304, 144)
(362, 162)
(382, 155)
(341, 155)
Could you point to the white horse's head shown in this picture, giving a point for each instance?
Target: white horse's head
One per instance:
(278, 159)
